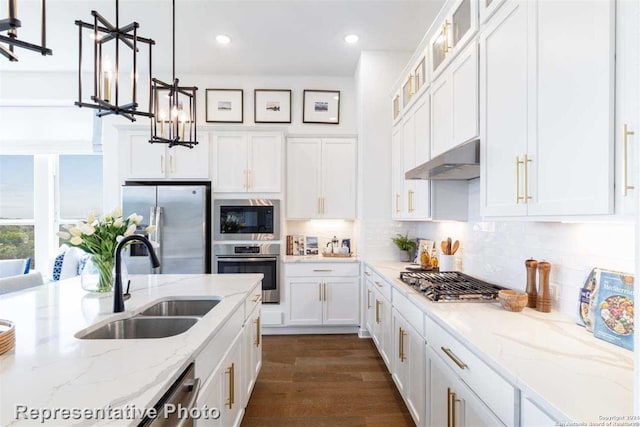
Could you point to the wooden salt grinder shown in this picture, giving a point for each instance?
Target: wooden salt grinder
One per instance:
(532, 266)
(543, 301)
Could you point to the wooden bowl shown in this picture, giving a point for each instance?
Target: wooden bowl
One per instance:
(513, 300)
(7, 336)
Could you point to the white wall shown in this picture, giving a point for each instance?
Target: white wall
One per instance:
(376, 73)
(496, 250)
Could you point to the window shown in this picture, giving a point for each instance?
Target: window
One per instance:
(79, 186)
(16, 207)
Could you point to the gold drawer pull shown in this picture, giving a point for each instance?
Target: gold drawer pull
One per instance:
(625, 147)
(453, 357)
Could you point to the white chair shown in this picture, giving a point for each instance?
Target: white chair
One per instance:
(20, 282)
(14, 267)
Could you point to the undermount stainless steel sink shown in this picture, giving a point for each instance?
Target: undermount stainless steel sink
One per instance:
(141, 327)
(181, 307)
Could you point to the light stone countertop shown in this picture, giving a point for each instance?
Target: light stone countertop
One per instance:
(318, 258)
(568, 372)
(50, 368)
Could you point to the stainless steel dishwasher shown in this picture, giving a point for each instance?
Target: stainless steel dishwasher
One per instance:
(183, 392)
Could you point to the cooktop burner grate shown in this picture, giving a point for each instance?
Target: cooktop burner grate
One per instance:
(451, 286)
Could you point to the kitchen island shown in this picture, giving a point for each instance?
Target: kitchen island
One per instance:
(51, 368)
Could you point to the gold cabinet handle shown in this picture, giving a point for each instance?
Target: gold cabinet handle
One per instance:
(324, 291)
(249, 179)
(256, 299)
(257, 322)
(321, 270)
(320, 291)
(319, 208)
(518, 196)
(378, 284)
(397, 203)
(453, 357)
(410, 193)
(451, 417)
(377, 311)
(161, 163)
(368, 299)
(403, 334)
(171, 169)
(367, 273)
(625, 147)
(527, 160)
(231, 372)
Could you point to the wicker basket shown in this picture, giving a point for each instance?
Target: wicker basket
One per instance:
(332, 255)
(7, 336)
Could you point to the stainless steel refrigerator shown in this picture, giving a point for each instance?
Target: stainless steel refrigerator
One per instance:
(181, 212)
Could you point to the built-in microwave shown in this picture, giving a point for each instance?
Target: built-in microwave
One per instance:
(246, 219)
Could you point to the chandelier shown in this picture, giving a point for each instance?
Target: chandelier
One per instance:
(174, 107)
(108, 77)
(11, 25)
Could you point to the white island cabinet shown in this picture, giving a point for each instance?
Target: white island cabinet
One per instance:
(60, 369)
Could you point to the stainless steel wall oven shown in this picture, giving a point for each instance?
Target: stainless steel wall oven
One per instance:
(252, 258)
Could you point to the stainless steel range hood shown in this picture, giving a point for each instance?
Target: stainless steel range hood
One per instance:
(458, 164)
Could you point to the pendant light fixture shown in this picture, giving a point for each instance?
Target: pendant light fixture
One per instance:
(174, 107)
(107, 75)
(11, 25)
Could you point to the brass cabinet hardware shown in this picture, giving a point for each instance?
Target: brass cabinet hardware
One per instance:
(453, 357)
(378, 284)
(403, 334)
(249, 179)
(257, 341)
(319, 270)
(171, 169)
(231, 372)
(526, 162)
(410, 194)
(368, 299)
(518, 196)
(324, 291)
(256, 299)
(625, 166)
(400, 343)
(377, 311)
(397, 203)
(450, 397)
(320, 291)
(367, 273)
(161, 163)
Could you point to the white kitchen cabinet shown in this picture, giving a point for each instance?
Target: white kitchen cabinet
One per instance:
(247, 162)
(627, 128)
(328, 301)
(546, 111)
(459, 26)
(408, 364)
(368, 306)
(223, 389)
(323, 294)
(532, 416)
(397, 174)
(252, 352)
(382, 328)
(321, 178)
(143, 160)
(488, 8)
(452, 402)
(454, 103)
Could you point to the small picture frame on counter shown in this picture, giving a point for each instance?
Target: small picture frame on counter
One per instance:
(311, 245)
(346, 243)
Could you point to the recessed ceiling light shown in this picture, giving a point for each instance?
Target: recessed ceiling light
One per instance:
(351, 38)
(223, 39)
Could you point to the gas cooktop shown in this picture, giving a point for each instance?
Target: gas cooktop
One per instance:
(450, 286)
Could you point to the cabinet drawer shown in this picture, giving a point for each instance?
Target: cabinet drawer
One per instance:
(378, 282)
(495, 391)
(413, 314)
(213, 352)
(253, 299)
(322, 269)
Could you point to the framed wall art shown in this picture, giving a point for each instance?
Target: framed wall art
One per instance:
(321, 106)
(224, 105)
(272, 106)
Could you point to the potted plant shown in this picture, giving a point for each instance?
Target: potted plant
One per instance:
(406, 246)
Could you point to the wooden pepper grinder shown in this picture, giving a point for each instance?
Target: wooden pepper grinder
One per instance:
(543, 301)
(532, 291)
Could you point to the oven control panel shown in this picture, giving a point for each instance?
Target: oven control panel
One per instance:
(246, 249)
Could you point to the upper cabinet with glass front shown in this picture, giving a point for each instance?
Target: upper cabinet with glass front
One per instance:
(460, 24)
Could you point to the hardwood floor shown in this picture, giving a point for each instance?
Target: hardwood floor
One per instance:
(324, 380)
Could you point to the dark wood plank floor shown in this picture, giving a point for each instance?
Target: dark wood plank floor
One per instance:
(324, 380)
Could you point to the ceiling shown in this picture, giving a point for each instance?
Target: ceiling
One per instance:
(291, 37)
